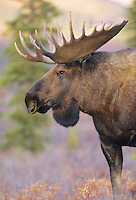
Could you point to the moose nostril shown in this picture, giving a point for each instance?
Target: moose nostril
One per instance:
(32, 107)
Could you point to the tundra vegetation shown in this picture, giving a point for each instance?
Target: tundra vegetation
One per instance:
(92, 189)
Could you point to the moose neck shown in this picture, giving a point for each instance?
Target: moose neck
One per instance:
(102, 77)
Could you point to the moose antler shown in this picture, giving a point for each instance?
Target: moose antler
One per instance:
(65, 51)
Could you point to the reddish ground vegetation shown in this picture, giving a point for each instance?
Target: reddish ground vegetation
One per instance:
(90, 189)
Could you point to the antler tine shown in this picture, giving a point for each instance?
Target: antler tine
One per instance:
(27, 50)
(83, 30)
(60, 40)
(64, 39)
(39, 57)
(108, 26)
(54, 39)
(94, 30)
(52, 47)
(31, 56)
(103, 26)
(43, 49)
(33, 42)
(71, 29)
(36, 48)
(20, 53)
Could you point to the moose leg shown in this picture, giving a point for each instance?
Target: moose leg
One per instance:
(114, 158)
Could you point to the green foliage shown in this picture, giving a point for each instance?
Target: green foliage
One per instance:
(73, 139)
(26, 131)
(131, 27)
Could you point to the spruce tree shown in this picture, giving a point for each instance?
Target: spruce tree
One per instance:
(26, 130)
(131, 27)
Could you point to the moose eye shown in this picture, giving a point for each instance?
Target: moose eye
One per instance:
(62, 72)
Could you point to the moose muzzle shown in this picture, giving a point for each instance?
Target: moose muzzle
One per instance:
(32, 107)
(31, 104)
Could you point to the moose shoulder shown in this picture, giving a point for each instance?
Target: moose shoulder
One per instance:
(101, 84)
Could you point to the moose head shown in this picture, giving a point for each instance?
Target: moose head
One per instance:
(100, 84)
(61, 88)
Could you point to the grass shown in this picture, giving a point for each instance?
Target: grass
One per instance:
(89, 189)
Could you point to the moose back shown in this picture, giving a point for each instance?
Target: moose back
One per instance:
(101, 84)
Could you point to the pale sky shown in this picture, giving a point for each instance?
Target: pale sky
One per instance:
(123, 2)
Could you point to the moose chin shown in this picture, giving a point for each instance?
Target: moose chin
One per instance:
(101, 84)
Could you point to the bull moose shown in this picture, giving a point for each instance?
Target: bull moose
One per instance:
(101, 84)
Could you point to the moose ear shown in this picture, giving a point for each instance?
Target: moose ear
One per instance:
(67, 114)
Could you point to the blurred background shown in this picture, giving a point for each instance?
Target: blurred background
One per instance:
(34, 147)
